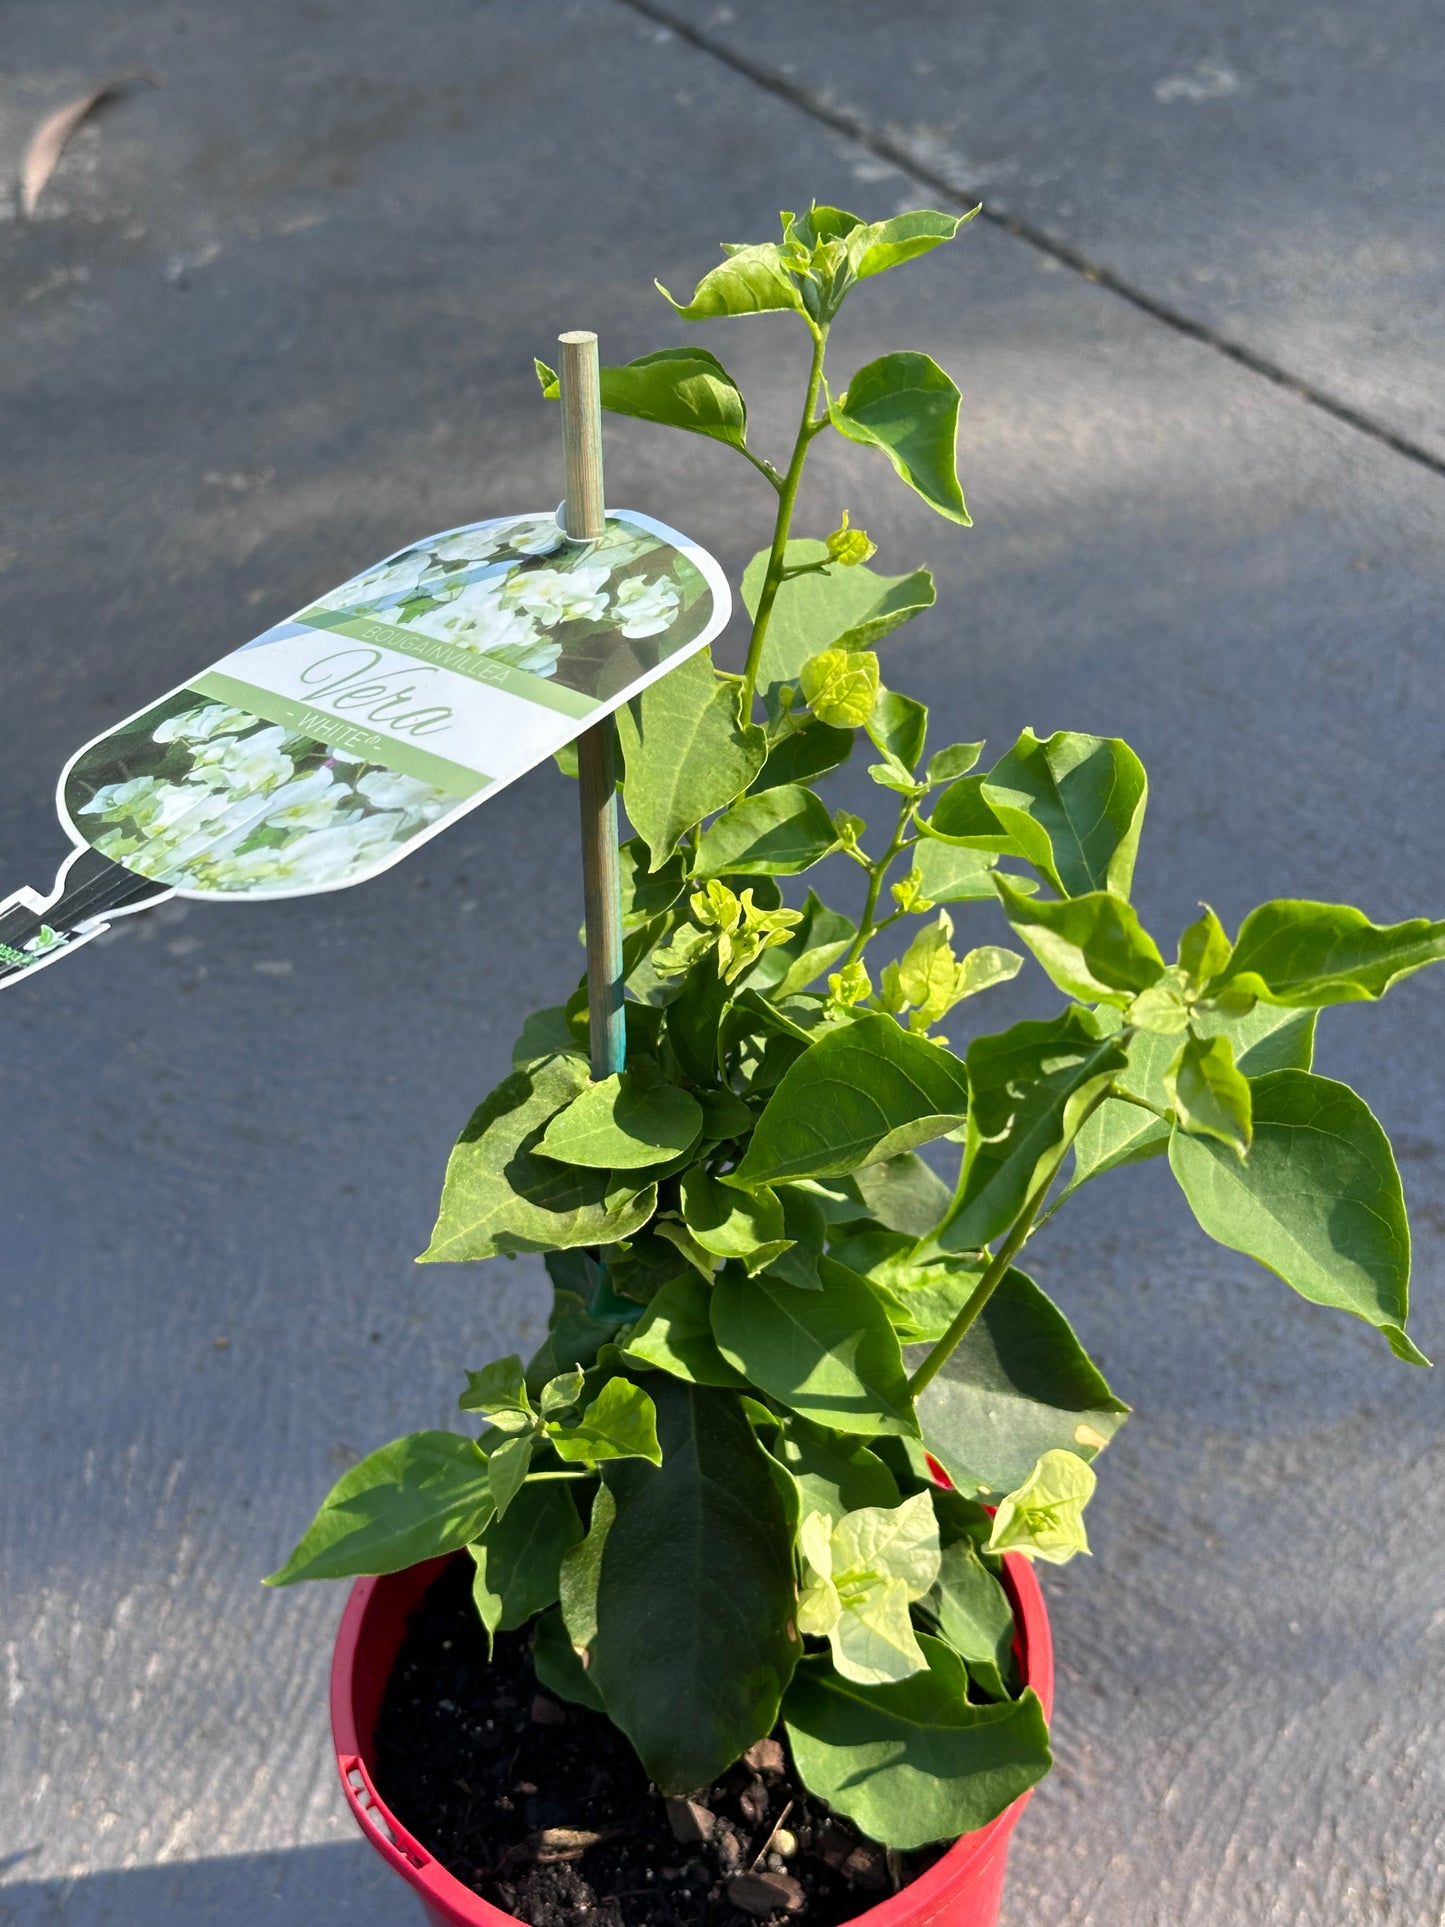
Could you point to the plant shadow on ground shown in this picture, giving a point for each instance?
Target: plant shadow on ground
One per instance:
(339, 1881)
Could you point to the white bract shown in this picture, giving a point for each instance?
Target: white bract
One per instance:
(1044, 1517)
(535, 538)
(311, 861)
(646, 607)
(121, 799)
(387, 789)
(313, 802)
(397, 577)
(200, 725)
(478, 619)
(551, 596)
(537, 658)
(865, 1571)
(254, 763)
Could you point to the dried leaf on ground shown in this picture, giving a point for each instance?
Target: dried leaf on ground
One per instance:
(47, 143)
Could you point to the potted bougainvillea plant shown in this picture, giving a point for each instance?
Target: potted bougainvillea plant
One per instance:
(722, 1606)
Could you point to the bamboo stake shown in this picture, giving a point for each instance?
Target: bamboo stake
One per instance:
(596, 749)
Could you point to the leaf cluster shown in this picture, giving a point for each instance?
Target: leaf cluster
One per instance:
(715, 1490)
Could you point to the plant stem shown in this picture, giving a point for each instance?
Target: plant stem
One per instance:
(787, 496)
(867, 928)
(761, 464)
(1018, 1232)
(533, 1477)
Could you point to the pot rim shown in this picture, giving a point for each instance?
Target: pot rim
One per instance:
(351, 1730)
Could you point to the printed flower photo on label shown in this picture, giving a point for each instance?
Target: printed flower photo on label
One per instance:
(591, 618)
(206, 797)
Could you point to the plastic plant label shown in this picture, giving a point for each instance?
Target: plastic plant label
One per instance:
(337, 742)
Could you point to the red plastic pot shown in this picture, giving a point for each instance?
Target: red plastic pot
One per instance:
(963, 1889)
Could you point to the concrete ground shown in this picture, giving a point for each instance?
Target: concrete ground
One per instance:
(276, 318)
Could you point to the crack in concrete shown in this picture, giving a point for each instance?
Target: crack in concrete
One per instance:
(899, 155)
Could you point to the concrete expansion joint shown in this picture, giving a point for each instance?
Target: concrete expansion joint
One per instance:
(899, 155)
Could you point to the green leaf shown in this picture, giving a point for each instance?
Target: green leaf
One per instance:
(1120, 1133)
(888, 244)
(675, 1335)
(834, 1475)
(579, 1573)
(679, 387)
(1266, 1038)
(1093, 946)
(947, 874)
(702, 1262)
(499, 1392)
(639, 1269)
(695, 1640)
(730, 1223)
(499, 1197)
(752, 280)
(1116, 1134)
(620, 1423)
(507, 1465)
(693, 1018)
(903, 1194)
(899, 726)
(647, 893)
(970, 1608)
(490, 1605)
(623, 1122)
(892, 776)
(947, 765)
(1074, 806)
(546, 1033)
(1306, 955)
(832, 249)
(518, 1557)
(836, 608)
(831, 1354)
(776, 832)
(1208, 1095)
(686, 752)
(840, 686)
(922, 1299)
(562, 1392)
(913, 1762)
(1018, 1385)
(805, 1223)
(1028, 1088)
(723, 1116)
(1204, 949)
(962, 820)
(819, 940)
(810, 752)
(907, 406)
(862, 1093)
(414, 1499)
(1044, 1519)
(1163, 1007)
(1318, 1200)
(557, 1666)
(574, 1338)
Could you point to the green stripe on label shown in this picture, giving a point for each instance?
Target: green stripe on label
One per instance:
(447, 655)
(455, 779)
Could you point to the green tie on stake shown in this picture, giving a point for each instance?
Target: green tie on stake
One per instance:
(337, 742)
